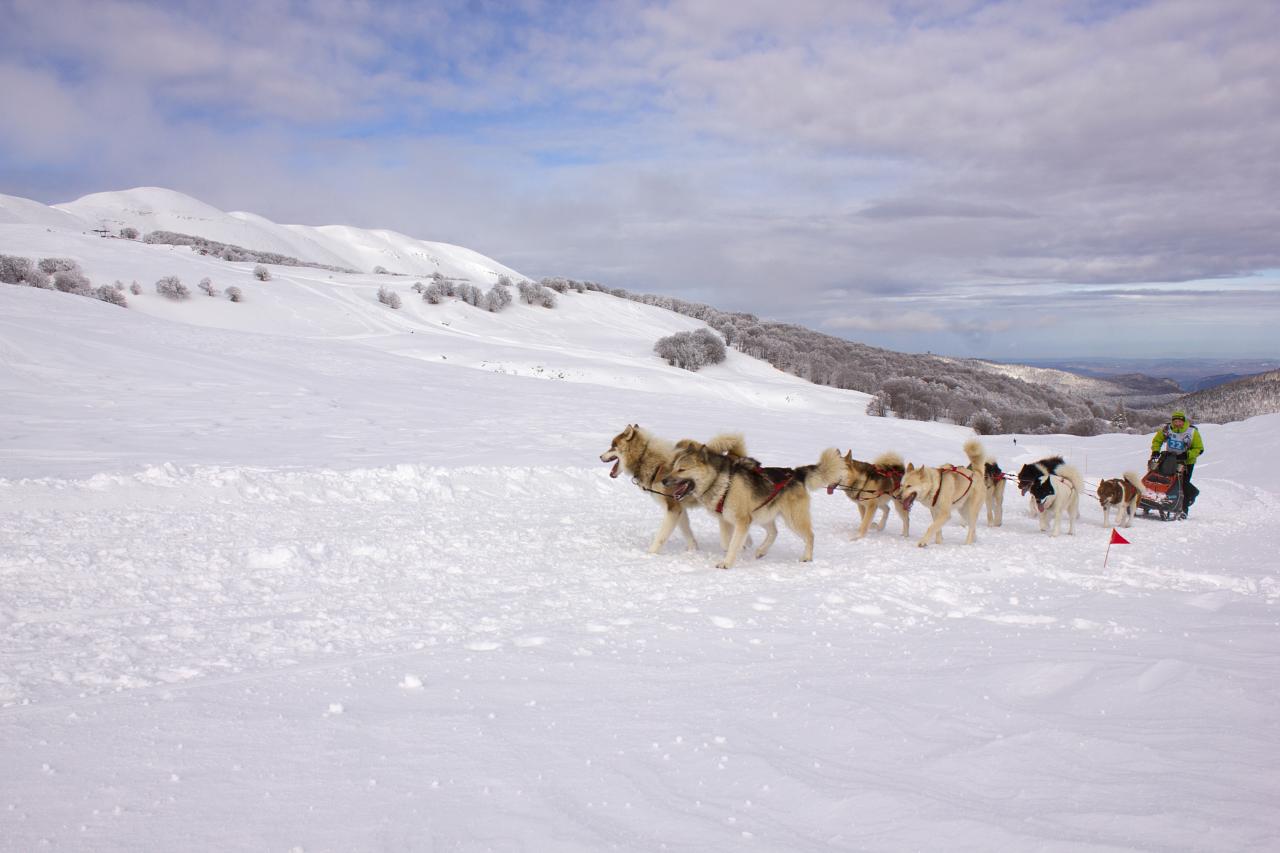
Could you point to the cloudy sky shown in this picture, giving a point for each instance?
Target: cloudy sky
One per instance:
(1013, 180)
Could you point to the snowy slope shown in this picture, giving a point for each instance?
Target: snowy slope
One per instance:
(159, 209)
(305, 573)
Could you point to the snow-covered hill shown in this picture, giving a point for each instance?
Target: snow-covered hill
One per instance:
(158, 209)
(306, 573)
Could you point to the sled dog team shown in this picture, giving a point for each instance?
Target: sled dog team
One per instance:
(720, 477)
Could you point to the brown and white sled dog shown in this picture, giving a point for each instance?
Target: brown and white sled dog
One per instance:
(1123, 495)
(994, 479)
(738, 491)
(647, 459)
(947, 489)
(1054, 487)
(873, 486)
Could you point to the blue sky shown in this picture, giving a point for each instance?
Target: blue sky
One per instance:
(1015, 180)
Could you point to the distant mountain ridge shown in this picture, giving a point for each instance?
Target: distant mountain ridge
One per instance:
(1235, 401)
(983, 394)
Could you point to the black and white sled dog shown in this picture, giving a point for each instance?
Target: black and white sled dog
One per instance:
(740, 492)
(647, 459)
(1054, 487)
(948, 488)
(994, 479)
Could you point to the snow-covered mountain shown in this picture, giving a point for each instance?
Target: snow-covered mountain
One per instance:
(156, 209)
(308, 573)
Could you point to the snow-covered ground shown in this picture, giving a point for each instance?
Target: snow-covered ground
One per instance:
(304, 573)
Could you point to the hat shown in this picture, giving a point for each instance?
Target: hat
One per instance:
(1178, 413)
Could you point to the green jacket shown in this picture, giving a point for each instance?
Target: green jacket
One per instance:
(1189, 439)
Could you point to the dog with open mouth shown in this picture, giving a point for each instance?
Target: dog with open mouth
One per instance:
(873, 486)
(739, 492)
(947, 489)
(1055, 489)
(647, 459)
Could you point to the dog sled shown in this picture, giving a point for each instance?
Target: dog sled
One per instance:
(1162, 488)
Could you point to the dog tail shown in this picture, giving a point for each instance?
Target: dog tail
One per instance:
(888, 459)
(1072, 474)
(977, 456)
(1134, 479)
(830, 469)
(729, 443)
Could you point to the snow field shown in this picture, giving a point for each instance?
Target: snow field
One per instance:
(485, 658)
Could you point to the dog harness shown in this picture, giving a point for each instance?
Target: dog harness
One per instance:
(778, 486)
(963, 472)
(894, 478)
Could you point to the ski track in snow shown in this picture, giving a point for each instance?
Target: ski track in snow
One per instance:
(444, 623)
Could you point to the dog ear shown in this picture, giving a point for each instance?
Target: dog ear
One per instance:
(848, 456)
(911, 466)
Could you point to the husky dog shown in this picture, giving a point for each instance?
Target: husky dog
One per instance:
(1053, 485)
(948, 488)
(739, 491)
(1122, 494)
(647, 459)
(873, 486)
(994, 479)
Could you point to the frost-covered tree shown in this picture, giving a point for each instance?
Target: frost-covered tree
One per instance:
(691, 350)
(434, 293)
(135, 289)
(53, 265)
(498, 297)
(72, 281)
(381, 270)
(388, 297)
(235, 294)
(536, 294)
(171, 287)
(129, 233)
(206, 285)
(14, 270)
(110, 294)
(261, 273)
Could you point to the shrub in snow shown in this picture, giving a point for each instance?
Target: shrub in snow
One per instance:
(235, 294)
(418, 287)
(691, 350)
(135, 289)
(984, 423)
(536, 294)
(14, 270)
(171, 287)
(498, 297)
(206, 284)
(380, 270)
(72, 281)
(37, 277)
(53, 265)
(118, 285)
(129, 233)
(109, 294)
(387, 297)
(261, 273)
(434, 293)
(469, 294)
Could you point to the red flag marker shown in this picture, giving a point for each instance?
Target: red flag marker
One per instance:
(1116, 539)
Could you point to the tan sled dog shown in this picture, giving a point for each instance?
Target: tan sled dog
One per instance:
(739, 491)
(873, 486)
(647, 459)
(1122, 495)
(948, 488)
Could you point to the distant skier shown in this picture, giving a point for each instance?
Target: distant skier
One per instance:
(1183, 439)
